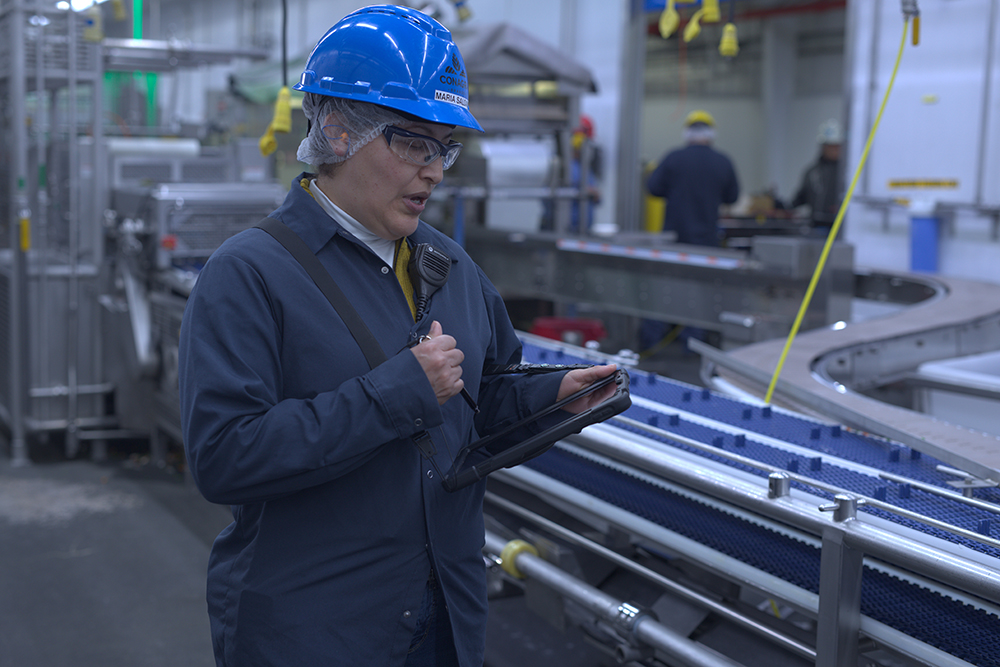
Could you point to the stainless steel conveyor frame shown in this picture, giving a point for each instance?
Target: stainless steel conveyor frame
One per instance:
(846, 540)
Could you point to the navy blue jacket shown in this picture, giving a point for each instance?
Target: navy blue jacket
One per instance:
(695, 180)
(337, 519)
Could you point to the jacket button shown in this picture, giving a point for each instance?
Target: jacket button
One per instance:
(418, 422)
(406, 614)
(385, 270)
(430, 474)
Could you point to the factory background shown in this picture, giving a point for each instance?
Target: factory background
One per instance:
(799, 64)
(824, 499)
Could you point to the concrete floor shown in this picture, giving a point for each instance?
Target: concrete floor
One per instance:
(103, 564)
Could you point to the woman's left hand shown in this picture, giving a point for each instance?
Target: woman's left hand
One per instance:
(583, 377)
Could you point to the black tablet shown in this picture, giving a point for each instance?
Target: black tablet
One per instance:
(460, 475)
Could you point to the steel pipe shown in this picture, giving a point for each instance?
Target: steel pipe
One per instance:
(20, 215)
(680, 650)
(802, 479)
(700, 600)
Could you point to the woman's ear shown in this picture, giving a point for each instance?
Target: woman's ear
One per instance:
(337, 136)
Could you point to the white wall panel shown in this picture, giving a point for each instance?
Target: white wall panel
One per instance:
(931, 129)
(942, 122)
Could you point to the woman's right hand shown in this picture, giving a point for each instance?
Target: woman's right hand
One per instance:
(441, 361)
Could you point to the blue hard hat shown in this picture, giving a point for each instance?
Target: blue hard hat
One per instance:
(395, 57)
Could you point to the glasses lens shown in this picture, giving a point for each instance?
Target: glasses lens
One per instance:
(422, 150)
(451, 155)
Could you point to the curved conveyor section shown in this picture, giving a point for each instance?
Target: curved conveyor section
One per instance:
(963, 320)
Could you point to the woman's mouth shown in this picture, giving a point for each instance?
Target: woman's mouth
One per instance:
(416, 203)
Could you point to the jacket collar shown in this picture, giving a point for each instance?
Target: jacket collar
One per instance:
(300, 211)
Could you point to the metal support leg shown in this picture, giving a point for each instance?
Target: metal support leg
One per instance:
(841, 568)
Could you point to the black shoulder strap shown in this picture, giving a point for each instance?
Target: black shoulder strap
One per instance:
(300, 251)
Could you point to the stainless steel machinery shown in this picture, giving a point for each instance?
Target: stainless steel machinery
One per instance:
(163, 234)
(526, 94)
(59, 275)
(745, 296)
(50, 77)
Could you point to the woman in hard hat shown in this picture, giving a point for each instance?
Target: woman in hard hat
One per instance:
(345, 549)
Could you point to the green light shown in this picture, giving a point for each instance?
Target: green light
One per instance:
(136, 19)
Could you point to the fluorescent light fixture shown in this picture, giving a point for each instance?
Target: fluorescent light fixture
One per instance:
(78, 5)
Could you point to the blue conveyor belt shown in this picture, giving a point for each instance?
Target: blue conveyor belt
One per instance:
(950, 625)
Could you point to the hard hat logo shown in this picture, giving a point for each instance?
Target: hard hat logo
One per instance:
(454, 77)
(456, 81)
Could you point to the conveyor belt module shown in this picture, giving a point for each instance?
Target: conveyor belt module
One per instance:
(963, 626)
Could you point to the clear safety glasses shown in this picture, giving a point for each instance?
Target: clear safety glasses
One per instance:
(420, 149)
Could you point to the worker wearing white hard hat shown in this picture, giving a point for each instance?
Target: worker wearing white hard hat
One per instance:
(820, 189)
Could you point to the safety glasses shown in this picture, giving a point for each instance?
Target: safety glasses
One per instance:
(419, 149)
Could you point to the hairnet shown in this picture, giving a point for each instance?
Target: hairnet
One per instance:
(353, 126)
(699, 132)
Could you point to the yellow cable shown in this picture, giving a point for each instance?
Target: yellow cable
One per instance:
(663, 342)
(836, 224)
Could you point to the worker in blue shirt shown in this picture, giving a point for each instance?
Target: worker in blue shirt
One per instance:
(695, 180)
(345, 548)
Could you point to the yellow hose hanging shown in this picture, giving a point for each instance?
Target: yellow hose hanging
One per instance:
(669, 20)
(693, 28)
(836, 223)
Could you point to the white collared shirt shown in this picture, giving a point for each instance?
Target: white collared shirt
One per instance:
(385, 249)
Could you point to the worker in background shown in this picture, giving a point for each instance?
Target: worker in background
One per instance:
(820, 189)
(345, 548)
(695, 181)
(584, 168)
